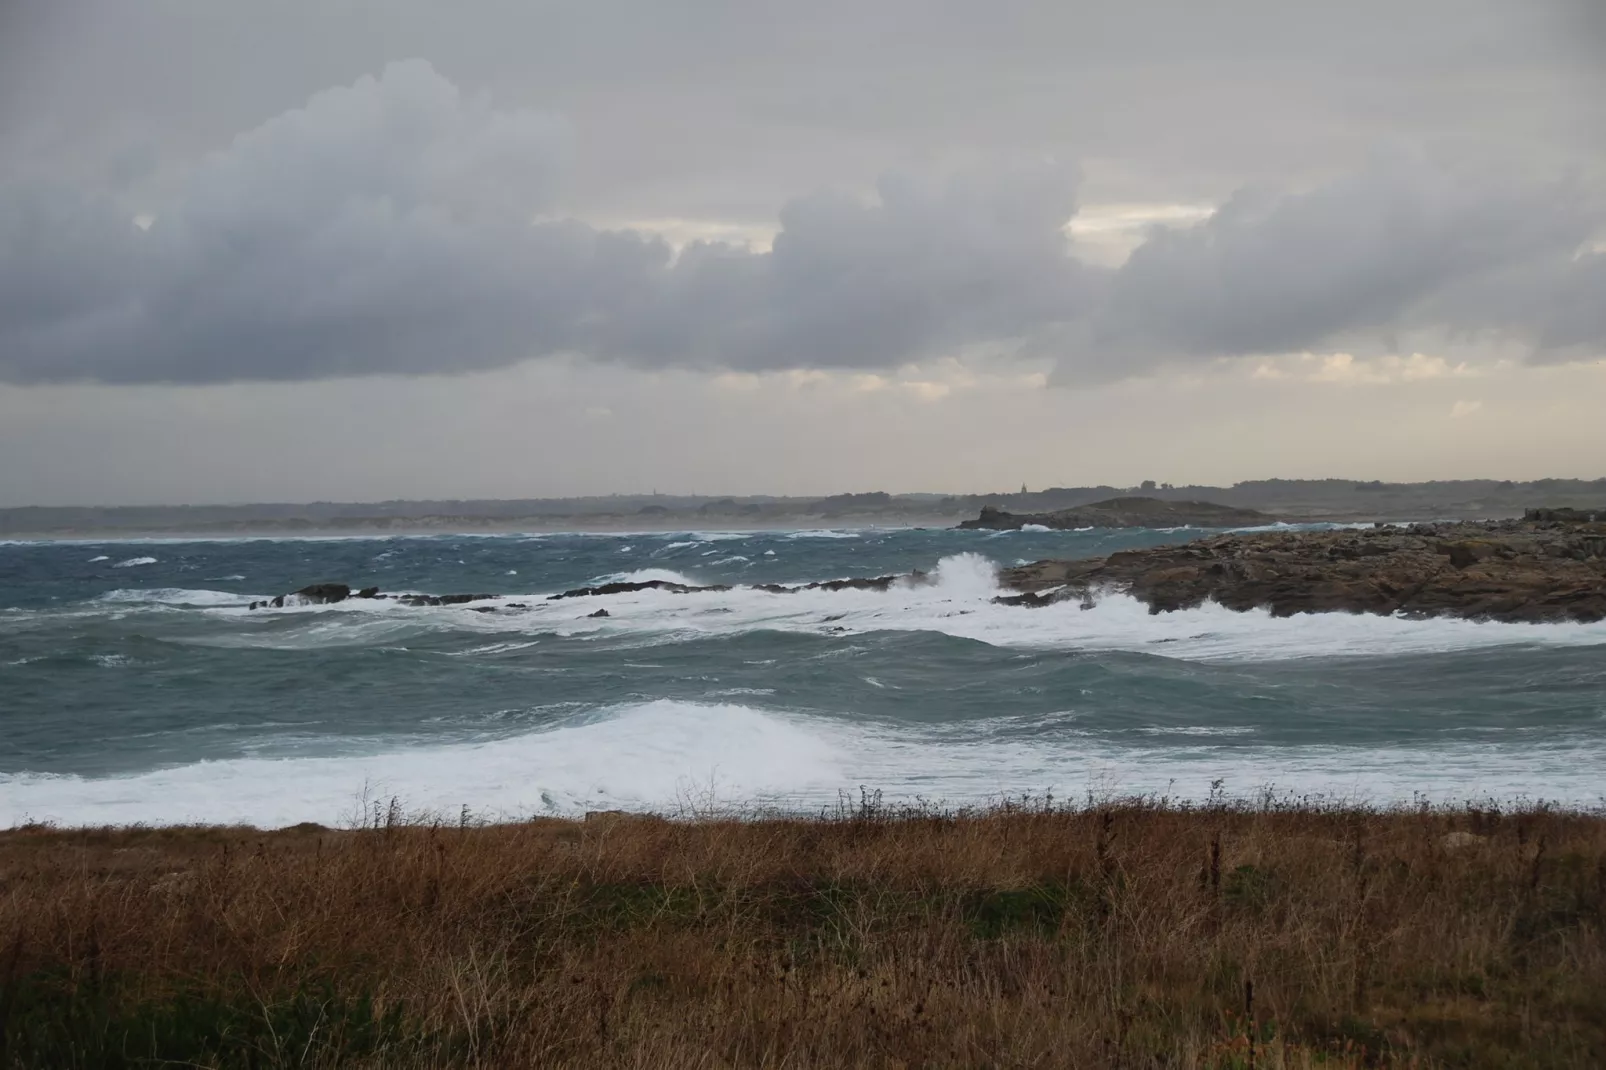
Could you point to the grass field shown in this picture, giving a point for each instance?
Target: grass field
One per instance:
(1133, 935)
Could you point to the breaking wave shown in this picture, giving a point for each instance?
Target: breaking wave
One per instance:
(689, 757)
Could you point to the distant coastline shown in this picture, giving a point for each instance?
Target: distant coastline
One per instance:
(1332, 500)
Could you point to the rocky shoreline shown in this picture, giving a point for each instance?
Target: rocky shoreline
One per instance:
(1548, 567)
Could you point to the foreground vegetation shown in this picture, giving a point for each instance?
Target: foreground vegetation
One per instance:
(1129, 935)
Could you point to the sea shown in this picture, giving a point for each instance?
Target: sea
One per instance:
(137, 686)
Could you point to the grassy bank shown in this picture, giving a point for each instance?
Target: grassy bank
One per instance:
(1125, 936)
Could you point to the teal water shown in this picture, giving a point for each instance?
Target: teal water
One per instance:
(135, 685)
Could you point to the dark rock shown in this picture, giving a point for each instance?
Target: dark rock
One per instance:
(278, 601)
(859, 583)
(600, 613)
(325, 593)
(1492, 570)
(630, 587)
(442, 599)
(368, 592)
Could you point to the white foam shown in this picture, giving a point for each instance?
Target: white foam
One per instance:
(647, 575)
(824, 533)
(715, 536)
(647, 756)
(102, 557)
(174, 596)
(959, 603)
(134, 562)
(1035, 527)
(667, 755)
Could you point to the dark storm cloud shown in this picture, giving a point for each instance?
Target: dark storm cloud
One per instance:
(389, 227)
(386, 228)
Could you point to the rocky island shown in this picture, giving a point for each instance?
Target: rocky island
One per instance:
(1134, 512)
(1548, 567)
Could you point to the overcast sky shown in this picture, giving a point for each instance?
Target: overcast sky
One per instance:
(362, 249)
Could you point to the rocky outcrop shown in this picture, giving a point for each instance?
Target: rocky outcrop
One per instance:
(1124, 513)
(1512, 570)
(323, 593)
(631, 587)
(442, 599)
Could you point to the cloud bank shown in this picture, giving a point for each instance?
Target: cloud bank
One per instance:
(401, 226)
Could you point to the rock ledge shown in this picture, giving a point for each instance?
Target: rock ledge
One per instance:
(1532, 570)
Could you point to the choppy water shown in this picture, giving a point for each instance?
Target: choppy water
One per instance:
(135, 686)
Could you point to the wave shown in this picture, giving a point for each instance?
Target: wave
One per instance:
(647, 575)
(668, 755)
(175, 596)
(957, 602)
(135, 562)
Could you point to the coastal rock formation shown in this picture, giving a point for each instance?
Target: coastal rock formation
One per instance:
(631, 587)
(323, 593)
(442, 599)
(1124, 513)
(1507, 570)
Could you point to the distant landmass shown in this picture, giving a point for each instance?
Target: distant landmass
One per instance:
(1308, 499)
(1131, 512)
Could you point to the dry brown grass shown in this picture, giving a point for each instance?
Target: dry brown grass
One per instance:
(1129, 935)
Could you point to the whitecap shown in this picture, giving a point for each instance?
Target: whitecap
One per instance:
(174, 596)
(646, 575)
(102, 557)
(696, 757)
(134, 562)
(958, 601)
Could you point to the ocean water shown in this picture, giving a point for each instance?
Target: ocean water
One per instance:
(136, 685)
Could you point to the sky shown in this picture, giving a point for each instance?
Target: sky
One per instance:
(371, 249)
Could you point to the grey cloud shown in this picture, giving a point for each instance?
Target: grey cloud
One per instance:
(386, 228)
(711, 108)
(1400, 245)
(927, 267)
